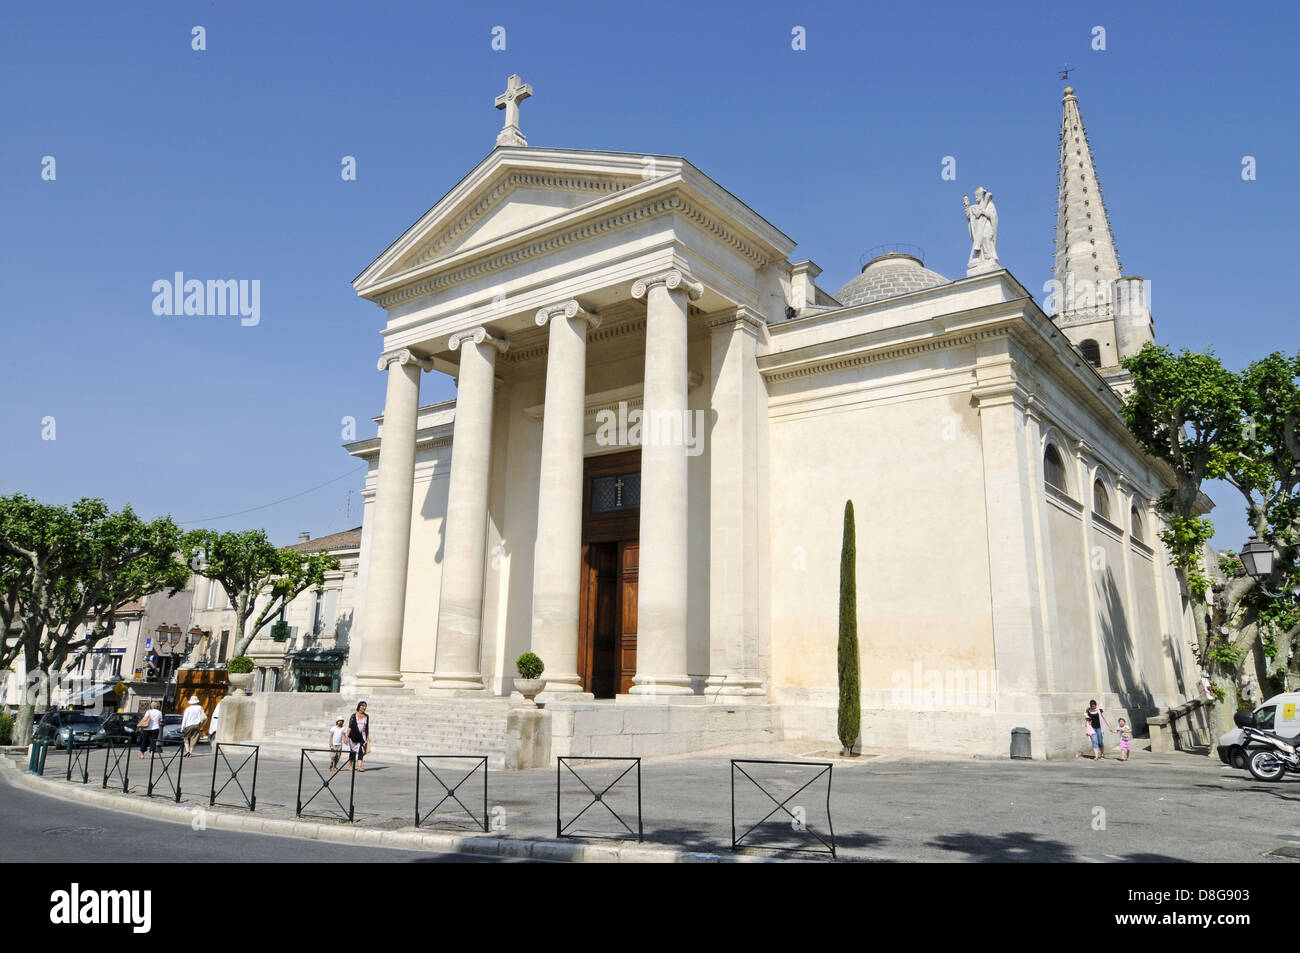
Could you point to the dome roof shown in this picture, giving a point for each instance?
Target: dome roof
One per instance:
(888, 275)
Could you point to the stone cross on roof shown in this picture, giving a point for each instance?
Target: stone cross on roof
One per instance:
(516, 91)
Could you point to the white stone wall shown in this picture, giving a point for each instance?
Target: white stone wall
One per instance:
(910, 459)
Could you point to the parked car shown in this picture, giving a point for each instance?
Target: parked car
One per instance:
(1279, 715)
(121, 727)
(56, 727)
(171, 730)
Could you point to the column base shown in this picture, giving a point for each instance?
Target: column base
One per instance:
(379, 680)
(549, 698)
(734, 686)
(653, 685)
(456, 682)
(566, 686)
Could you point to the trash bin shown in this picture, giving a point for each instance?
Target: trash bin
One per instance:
(36, 761)
(1020, 744)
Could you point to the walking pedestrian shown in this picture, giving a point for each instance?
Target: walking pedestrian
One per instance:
(1093, 718)
(1125, 739)
(337, 734)
(359, 735)
(149, 727)
(213, 725)
(192, 724)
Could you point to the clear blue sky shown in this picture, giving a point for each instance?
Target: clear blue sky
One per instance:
(225, 164)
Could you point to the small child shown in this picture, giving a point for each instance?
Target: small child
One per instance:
(1125, 739)
(337, 734)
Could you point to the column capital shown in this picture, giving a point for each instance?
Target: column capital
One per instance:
(479, 335)
(568, 309)
(742, 319)
(672, 279)
(404, 355)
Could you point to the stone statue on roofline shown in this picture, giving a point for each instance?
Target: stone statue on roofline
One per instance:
(982, 222)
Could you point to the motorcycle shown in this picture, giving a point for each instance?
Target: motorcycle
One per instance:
(1268, 756)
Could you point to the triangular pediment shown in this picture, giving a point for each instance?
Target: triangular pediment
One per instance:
(510, 191)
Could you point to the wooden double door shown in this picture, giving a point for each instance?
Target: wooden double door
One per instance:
(610, 557)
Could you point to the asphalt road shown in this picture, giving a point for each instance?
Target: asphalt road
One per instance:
(1166, 808)
(43, 829)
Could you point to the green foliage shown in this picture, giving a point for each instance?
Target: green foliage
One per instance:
(1228, 656)
(1230, 564)
(259, 578)
(1186, 409)
(850, 709)
(62, 566)
(1186, 536)
(1207, 422)
(239, 665)
(529, 665)
(6, 728)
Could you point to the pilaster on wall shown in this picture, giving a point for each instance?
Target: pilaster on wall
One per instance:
(1085, 463)
(1010, 495)
(734, 544)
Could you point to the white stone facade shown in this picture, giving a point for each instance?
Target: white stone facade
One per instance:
(564, 289)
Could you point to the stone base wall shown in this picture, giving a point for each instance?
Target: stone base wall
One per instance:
(1055, 723)
(646, 729)
(262, 715)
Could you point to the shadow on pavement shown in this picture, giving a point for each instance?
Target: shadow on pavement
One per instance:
(1012, 847)
(1153, 859)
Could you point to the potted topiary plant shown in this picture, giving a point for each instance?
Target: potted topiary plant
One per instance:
(529, 682)
(240, 672)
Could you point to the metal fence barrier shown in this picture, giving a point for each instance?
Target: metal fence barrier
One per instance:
(78, 757)
(326, 780)
(117, 764)
(159, 756)
(798, 821)
(219, 757)
(422, 767)
(36, 760)
(562, 828)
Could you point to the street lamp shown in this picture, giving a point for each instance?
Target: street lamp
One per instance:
(1257, 557)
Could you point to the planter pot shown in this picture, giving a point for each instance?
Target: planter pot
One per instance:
(529, 688)
(240, 681)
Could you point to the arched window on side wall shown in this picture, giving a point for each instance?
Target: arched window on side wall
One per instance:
(1100, 500)
(1091, 351)
(1136, 519)
(1054, 469)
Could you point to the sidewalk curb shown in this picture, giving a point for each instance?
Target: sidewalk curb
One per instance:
(248, 823)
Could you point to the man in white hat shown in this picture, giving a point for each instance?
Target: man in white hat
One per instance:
(192, 724)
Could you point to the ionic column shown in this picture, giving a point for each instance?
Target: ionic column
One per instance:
(557, 567)
(734, 546)
(460, 607)
(661, 660)
(390, 545)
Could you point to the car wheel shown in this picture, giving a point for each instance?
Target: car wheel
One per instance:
(1237, 758)
(1265, 765)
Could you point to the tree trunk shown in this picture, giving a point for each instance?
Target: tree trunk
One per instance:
(22, 733)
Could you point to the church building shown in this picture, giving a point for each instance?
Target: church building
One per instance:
(659, 417)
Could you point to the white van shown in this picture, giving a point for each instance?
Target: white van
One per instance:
(1280, 715)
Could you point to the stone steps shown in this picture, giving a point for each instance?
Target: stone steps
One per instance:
(411, 725)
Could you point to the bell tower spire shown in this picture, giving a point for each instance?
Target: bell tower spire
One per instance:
(1085, 247)
(1102, 311)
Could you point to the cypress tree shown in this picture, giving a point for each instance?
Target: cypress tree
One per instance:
(850, 715)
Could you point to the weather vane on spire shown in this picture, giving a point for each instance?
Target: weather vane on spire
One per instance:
(1066, 70)
(516, 92)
